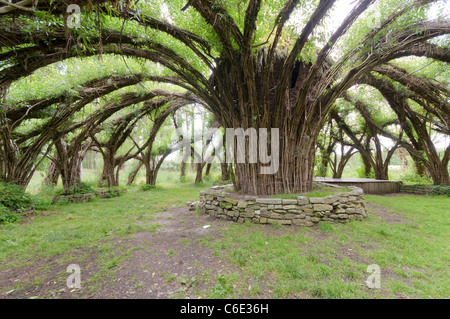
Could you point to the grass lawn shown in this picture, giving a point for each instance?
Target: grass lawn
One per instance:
(407, 236)
(411, 248)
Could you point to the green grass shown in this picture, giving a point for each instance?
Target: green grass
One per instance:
(325, 191)
(331, 261)
(63, 227)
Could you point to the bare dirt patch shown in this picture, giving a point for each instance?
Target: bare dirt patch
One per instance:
(172, 262)
(383, 213)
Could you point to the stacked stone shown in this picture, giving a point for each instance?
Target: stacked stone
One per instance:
(83, 198)
(303, 211)
(423, 189)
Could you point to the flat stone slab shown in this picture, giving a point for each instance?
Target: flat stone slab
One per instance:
(269, 201)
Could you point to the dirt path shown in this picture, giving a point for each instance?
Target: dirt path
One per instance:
(172, 262)
(169, 263)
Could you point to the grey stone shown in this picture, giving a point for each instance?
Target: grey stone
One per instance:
(269, 201)
(322, 207)
(317, 200)
(290, 207)
(230, 200)
(276, 216)
(293, 216)
(319, 214)
(289, 201)
(266, 214)
(242, 204)
(330, 199)
(357, 191)
(225, 205)
(247, 215)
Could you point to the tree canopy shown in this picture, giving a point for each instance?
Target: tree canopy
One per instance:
(292, 65)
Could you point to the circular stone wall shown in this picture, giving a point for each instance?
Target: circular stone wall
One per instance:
(302, 211)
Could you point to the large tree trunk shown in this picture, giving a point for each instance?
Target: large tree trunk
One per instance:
(367, 165)
(224, 172)
(294, 173)
(257, 107)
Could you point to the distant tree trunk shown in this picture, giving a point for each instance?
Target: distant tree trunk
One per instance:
(183, 168)
(134, 173)
(209, 164)
(109, 166)
(408, 119)
(338, 168)
(199, 173)
(53, 173)
(69, 160)
(150, 172)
